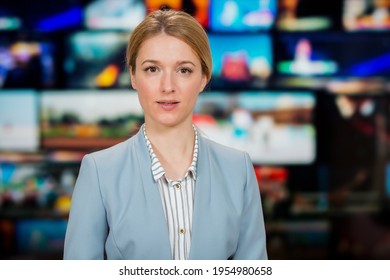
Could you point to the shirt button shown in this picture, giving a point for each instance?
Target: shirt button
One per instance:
(182, 231)
(178, 186)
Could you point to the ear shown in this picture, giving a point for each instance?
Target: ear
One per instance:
(203, 83)
(132, 79)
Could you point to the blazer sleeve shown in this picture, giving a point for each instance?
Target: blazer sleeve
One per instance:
(87, 225)
(252, 240)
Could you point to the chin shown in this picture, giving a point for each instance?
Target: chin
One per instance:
(168, 122)
(172, 122)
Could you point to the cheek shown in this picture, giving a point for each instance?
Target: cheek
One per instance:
(194, 86)
(144, 88)
(146, 98)
(143, 102)
(198, 88)
(193, 96)
(143, 97)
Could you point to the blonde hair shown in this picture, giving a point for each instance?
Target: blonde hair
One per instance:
(173, 23)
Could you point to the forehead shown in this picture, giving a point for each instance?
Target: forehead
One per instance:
(165, 47)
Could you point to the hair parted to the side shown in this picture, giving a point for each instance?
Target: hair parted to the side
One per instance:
(173, 23)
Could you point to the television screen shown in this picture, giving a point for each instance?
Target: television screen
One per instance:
(333, 55)
(88, 119)
(118, 14)
(22, 185)
(40, 236)
(241, 16)
(153, 5)
(308, 15)
(31, 186)
(97, 60)
(366, 15)
(47, 15)
(273, 127)
(199, 9)
(241, 60)
(9, 17)
(19, 128)
(26, 63)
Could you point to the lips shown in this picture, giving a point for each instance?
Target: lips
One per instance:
(168, 105)
(168, 102)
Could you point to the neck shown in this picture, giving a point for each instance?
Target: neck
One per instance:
(174, 147)
(174, 141)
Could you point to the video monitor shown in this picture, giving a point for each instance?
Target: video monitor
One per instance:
(242, 16)
(88, 120)
(308, 15)
(26, 62)
(9, 17)
(22, 185)
(333, 55)
(41, 236)
(47, 15)
(242, 60)
(114, 15)
(97, 60)
(19, 120)
(274, 127)
(199, 9)
(366, 15)
(31, 186)
(153, 5)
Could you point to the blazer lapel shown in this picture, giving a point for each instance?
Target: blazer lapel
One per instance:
(201, 202)
(153, 211)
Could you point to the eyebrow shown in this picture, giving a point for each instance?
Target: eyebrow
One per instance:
(178, 63)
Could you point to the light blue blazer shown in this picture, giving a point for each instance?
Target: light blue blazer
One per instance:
(117, 213)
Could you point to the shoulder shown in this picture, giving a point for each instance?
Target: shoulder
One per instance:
(223, 151)
(115, 154)
(119, 148)
(230, 160)
(109, 164)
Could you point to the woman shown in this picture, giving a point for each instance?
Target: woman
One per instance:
(168, 192)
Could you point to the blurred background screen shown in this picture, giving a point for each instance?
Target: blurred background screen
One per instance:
(96, 60)
(19, 125)
(366, 15)
(273, 127)
(241, 61)
(85, 119)
(242, 16)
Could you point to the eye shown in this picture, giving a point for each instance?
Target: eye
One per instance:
(151, 69)
(185, 70)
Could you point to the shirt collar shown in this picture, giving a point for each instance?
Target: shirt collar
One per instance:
(157, 169)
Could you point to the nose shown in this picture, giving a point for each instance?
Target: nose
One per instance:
(167, 83)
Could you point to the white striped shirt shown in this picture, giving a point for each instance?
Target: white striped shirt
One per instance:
(177, 197)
